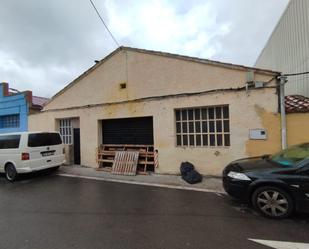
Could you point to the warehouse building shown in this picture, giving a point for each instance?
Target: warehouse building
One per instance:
(172, 108)
(287, 49)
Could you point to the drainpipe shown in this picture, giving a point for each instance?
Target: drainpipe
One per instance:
(283, 80)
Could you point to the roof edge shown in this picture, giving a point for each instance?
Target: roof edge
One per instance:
(165, 54)
(85, 73)
(201, 60)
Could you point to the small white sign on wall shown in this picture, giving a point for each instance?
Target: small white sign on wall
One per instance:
(258, 134)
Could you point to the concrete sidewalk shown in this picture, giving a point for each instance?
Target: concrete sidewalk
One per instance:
(209, 183)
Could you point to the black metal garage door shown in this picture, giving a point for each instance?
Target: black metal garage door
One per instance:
(128, 131)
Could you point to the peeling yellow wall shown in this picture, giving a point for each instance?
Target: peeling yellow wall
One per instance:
(297, 128)
(271, 122)
(297, 132)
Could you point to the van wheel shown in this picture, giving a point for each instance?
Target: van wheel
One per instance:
(10, 172)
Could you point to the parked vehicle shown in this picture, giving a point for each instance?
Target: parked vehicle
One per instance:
(276, 184)
(24, 152)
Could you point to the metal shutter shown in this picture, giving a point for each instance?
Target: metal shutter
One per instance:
(128, 131)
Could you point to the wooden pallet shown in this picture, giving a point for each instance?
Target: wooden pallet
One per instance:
(125, 163)
(106, 155)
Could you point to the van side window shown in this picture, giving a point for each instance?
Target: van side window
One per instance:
(9, 141)
(43, 139)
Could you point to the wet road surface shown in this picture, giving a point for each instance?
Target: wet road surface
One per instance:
(46, 211)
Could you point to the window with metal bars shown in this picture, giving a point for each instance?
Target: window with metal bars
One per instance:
(9, 121)
(203, 126)
(65, 128)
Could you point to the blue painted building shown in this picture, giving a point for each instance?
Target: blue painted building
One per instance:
(15, 107)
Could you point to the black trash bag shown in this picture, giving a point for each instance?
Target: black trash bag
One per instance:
(189, 174)
(192, 177)
(185, 168)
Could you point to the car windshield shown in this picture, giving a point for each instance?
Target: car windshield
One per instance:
(291, 156)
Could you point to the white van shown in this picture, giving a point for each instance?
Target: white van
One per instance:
(24, 152)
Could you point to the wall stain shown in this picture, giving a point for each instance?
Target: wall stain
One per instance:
(271, 122)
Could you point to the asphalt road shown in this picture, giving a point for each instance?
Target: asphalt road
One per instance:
(47, 211)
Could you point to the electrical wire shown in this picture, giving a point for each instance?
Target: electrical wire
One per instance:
(295, 74)
(96, 10)
(159, 97)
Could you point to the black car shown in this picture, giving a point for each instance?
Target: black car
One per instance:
(276, 184)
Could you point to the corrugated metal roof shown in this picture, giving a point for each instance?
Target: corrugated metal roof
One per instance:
(296, 104)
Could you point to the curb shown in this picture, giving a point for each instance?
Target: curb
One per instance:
(143, 183)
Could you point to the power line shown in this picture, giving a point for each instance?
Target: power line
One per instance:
(295, 74)
(96, 10)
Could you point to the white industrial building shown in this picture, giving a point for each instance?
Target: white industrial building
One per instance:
(287, 49)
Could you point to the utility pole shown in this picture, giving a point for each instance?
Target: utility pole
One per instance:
(283, 81)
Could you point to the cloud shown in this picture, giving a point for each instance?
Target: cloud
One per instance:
(158, 25)
(46, 44)
(30, 77)
(252, 23)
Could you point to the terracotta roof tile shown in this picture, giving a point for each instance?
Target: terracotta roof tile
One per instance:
(296, 104)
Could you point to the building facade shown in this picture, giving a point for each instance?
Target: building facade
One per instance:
(188, 109)
(287, 49)
(15, 107)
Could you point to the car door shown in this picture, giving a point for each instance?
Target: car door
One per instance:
(304, 177)
(304, 187)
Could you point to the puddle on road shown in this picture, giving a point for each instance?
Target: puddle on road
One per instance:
(248, 209)
(241, 207)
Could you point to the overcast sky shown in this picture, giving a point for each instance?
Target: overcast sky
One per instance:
(45, 44)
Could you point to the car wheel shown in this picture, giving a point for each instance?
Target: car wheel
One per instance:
(272, 202)
(10, 172)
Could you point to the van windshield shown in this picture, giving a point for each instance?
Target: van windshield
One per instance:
(44, 139)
